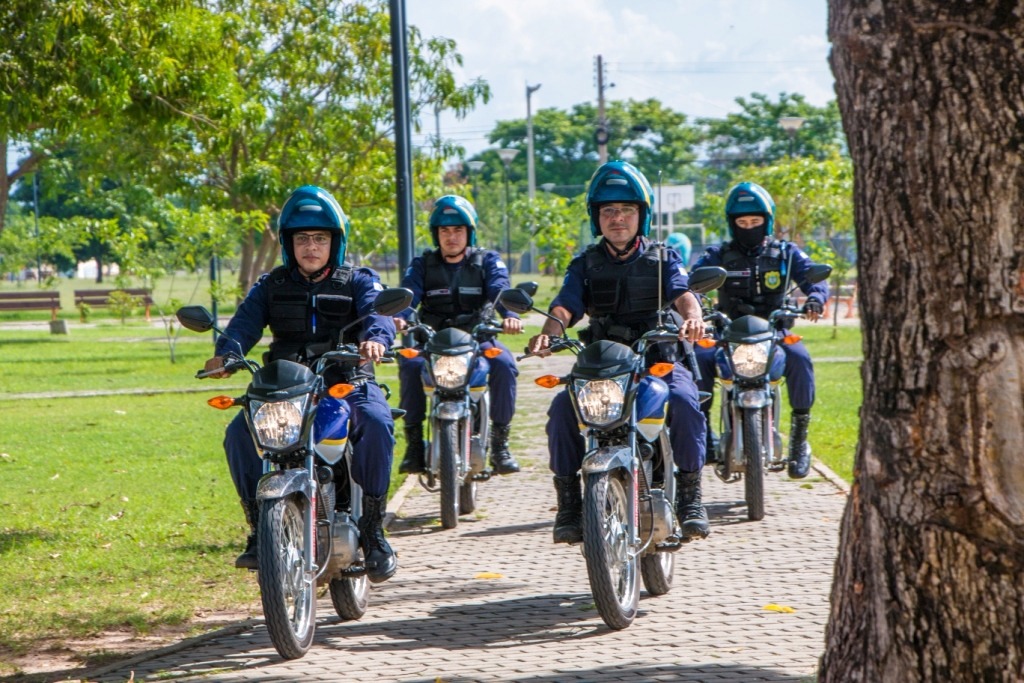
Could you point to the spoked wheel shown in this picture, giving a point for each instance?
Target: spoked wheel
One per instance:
(754, 477)
(288, 595)
(448, 441)
(611, 568)
(350, 596)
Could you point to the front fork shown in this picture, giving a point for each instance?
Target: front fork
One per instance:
(768, 401)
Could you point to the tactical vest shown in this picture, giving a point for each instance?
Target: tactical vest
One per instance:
(453, 299)
(306, 320)
(755, 283)
(622, 299)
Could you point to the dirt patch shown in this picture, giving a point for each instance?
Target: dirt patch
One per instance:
(68, 660)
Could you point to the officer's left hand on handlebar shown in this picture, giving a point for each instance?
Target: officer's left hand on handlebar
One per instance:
(512, 326)
(372, 351)
(813, 309)
(692, 330)
(213, 365)
(539, 345)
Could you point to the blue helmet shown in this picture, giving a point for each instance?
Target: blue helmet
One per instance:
(313, 208)
(619, 181)
(750, 199)
(680, 243)
(453, 210)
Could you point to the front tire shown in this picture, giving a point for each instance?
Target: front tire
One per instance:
(754, 478)
(448, 442)
(350, 597)
(289, 599)
(611, 568)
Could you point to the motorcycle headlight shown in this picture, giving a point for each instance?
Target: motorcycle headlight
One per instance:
(278, 424)
(601, 400)
(450, 372)
(750, 360)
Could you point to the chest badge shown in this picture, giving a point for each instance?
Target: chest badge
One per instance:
(772, 279)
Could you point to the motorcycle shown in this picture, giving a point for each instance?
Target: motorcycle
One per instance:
(630, 529)
(456, 372)
(309, 505)
(750, 371)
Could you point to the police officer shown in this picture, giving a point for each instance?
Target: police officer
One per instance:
(758, 268)
(306, 302)
(451, 284)
(615, 282)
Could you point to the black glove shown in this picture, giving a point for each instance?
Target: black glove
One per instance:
(814, 306)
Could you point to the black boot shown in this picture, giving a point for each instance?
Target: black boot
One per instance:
(380, 560)
(413, 462)
(692, 515)
(247, 560)
(502, 461)
(569, 520)
(799, 449)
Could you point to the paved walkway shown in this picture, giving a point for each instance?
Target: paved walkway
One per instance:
(495, 600)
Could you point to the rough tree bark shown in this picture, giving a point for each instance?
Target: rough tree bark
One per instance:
(929, 583)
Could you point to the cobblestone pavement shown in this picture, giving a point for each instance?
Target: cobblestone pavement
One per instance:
(495, 600)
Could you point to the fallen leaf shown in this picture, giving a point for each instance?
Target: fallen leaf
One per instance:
(772, 607)
(488, 575)
(116, 516)
(120, 412)
(56, 476)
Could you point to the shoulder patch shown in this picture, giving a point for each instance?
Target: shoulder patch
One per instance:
(500, 264)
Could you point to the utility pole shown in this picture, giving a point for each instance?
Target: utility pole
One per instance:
(601, 134)
(531, 171)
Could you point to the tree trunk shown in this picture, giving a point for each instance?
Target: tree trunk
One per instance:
(929, 582)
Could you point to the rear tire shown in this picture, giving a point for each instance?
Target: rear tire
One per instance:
(613, 573)
(289, 600)
(658, 570)
(467, 497)
(350, 597)
(448, 442)
(754, 478)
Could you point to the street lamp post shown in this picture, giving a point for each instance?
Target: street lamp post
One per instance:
(791, 124)
(507, 155)
(475, 167)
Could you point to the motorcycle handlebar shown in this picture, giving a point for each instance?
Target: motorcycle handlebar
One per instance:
(232, 366)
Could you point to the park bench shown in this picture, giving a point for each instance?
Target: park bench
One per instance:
(101, 297)
(31, 301)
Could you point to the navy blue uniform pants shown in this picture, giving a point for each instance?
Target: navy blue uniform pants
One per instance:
(371, 432)
(686, 427)
(502, 383)
(799, 373)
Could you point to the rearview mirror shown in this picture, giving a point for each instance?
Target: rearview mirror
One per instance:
(707, 279)
(195, 318)
(528, 287)
(392, 301)
(818, 273)
(516, 300)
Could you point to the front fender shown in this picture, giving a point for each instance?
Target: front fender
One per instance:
(451, 410)
(608, 458)
(283, 483)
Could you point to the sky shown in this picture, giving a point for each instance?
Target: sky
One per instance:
(695, 56)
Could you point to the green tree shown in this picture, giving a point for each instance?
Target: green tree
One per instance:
(316, 108)
(74, 69)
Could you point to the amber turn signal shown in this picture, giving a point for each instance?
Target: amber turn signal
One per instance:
(408, 353)
(791, 339)
(221, 402)
(705, 343)
(661, 369)
(492, 352)
(340, 390)
(548, 381)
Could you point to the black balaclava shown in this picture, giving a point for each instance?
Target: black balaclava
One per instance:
(750, 238)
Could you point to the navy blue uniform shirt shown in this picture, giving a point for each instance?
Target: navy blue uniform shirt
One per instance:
(253, 314)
